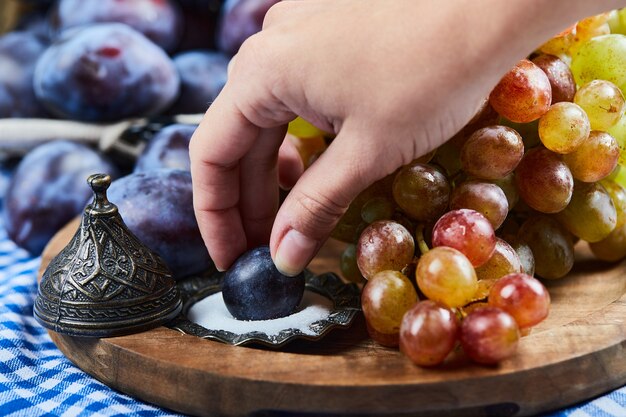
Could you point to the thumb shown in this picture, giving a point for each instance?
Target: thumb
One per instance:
(318, 200)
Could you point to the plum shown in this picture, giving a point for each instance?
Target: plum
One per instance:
(253, 289)
(105, 72)
(48, 189)
(201, 17)
(202, 77)
(157, 207)
(169, 148)
(19, 52)
(240, 19)
(159, 20)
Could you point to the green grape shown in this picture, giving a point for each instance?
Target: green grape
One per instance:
(384, 300)
(484, 197)
(617, 21)
(618, 131)
(590, 215)
(564, 127)
(348, 265)
(492, 152)
(618, 196)
(552, 246)
(601, 58)
(525, 254)
(602, 101)
(560, 44)
(384, 245)
(421, 191)
(613, 247)
(504, 261)
(507, 185)
(377, 208)
(445, 275)
(595, 158)
(544, 181)
(588, 28)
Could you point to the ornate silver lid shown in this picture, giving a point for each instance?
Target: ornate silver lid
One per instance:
(105, 282)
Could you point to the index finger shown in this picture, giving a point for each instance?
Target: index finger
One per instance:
(223, 137)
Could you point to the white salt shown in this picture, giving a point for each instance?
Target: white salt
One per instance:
(211, 313)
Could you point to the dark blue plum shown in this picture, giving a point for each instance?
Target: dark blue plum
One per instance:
(253, 289)
(48, 189)
(105, 72)
(19, 52)
(159, 20)
(240, 19)
(202, 77)
(201, 17)
(169, 148)
(157, 207)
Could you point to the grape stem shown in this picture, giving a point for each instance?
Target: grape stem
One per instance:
(421, 243)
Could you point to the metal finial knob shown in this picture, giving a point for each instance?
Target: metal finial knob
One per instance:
(99, 183)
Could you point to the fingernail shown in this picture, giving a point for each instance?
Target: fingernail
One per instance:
(294, 253)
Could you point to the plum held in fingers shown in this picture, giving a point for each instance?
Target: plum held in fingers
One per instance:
(240, 19)
(105, 72)
(157, 207)
(48, 189)
(253, 289)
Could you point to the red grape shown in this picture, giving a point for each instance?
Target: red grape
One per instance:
(489, 335)
(523, 297)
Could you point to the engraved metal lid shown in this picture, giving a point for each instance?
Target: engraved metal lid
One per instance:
(105, 282)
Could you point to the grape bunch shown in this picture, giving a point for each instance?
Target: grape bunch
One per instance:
(453, 247)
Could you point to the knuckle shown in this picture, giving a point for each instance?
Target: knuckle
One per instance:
(321, 213)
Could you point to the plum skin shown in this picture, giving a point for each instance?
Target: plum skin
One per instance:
(48, 189)
(157, 208)
(169, 148)
(253, 289)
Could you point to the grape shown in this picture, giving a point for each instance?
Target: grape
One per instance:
(601, 58)
(376, 209)
(350, 225)
(564, 127)
(160, 21)
(523, 297)
(467, 231)
(445, 275)
(384, 300)
(309, 148)
(202, 77)
(240, 19)
(618, 131)
(503, 261)
(19, 52)
(602, 101)
(384, 339)
(384, 245)
(303, 129)
(544, 181)
(157, 207)
(253, 289)
(595, 158)
(525, 254)
(507, 185)
(560, 44)
(428, 333)
(492, 152)
(105, 72)
(489, 335)
(528, 131)
(169, 148)
(484, 197)
(613, 247)
(523, 94)
(421, 191)
(48, 189)
(348, 265)
(590, 215)
(551, 245)
(559, 75)
(588, 28)
(618, 197)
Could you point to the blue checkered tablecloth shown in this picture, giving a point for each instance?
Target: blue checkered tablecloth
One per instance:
(36, 379)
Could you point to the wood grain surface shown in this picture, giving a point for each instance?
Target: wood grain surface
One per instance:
(576, 354)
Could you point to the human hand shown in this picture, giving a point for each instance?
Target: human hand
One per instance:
(392, 80)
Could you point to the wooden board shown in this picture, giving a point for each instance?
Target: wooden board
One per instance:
(576, 354)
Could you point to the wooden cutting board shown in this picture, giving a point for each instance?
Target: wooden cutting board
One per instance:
(576, 354)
